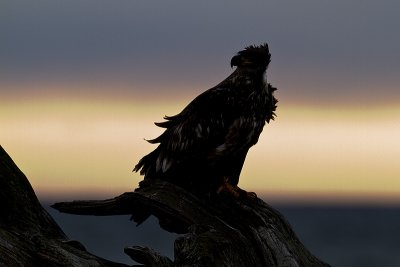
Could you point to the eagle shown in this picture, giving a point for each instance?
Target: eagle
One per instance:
(203, 148)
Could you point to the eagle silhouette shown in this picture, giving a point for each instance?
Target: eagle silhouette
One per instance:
(203, 148)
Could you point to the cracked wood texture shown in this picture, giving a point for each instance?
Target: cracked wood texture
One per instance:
(28, 234)
(215, 230)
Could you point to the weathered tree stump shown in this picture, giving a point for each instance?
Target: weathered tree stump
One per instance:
(28, 234)
(214, 230)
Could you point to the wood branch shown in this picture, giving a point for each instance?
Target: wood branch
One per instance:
(148, 257)
(216, 231)
(28, 234)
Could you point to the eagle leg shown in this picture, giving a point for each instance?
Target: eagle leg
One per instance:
(235, 191)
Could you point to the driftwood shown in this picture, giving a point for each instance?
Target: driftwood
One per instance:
(28, 234)
(215, 230)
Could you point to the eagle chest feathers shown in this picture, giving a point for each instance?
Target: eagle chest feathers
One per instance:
(204, 146)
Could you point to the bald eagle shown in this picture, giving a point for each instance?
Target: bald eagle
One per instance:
(203, 148)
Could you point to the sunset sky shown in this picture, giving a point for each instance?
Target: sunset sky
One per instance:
(81, 83)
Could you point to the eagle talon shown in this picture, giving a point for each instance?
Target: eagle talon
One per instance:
(235, 191)
(230, 189)
(246, 195)
(251, 195)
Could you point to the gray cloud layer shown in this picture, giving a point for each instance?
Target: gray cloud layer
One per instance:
(319, 47)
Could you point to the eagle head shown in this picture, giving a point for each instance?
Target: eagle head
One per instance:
(252, 57)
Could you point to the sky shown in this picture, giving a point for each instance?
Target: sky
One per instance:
(81, 83)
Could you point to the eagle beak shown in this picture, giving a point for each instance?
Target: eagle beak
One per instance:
(235, 61)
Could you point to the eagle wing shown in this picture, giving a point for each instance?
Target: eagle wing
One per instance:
(211, 128)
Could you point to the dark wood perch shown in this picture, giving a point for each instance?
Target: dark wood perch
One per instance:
(215, 231)
(28, 234)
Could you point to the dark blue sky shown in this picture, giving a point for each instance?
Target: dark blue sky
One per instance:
(325, 50)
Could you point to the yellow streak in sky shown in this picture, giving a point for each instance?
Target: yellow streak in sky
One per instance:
(82, 147)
